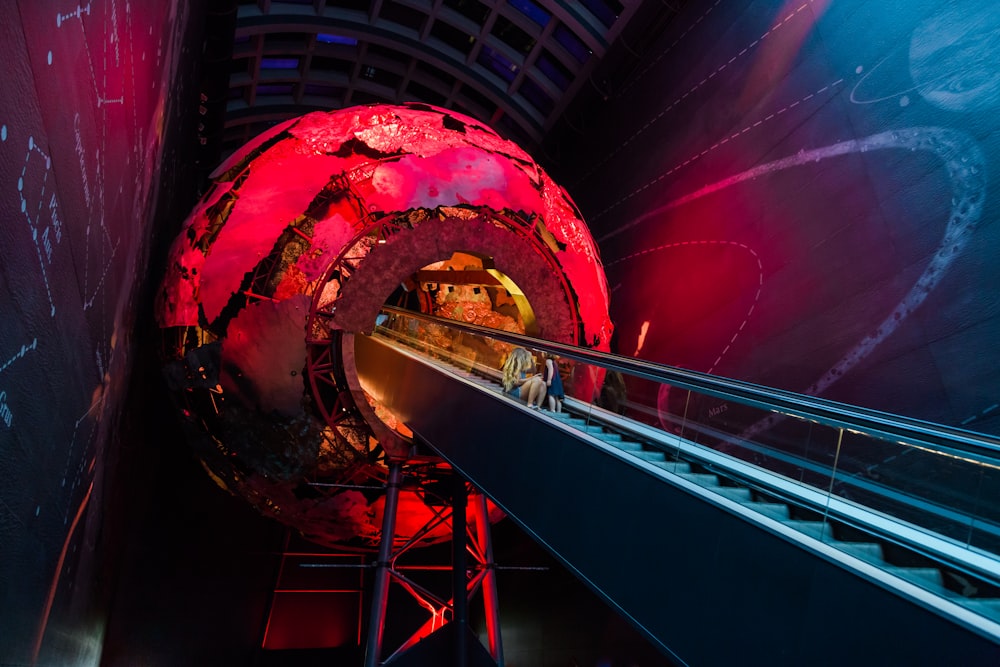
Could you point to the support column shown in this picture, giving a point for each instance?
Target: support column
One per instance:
(490, 602)
(460, 608)
(380, 594)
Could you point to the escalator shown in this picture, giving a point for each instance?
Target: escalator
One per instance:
(721, 547)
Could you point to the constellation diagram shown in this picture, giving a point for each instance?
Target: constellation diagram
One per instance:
(41, 211)
(95, 151)
(93, 285)
(75, 14)
(99, 237)
(105, 163)
(6, 415)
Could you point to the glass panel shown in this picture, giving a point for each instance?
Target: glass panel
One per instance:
(279, 63)
(573, 44)
(275, 89)
(930, 489)
(479, 99)
(471, 9)
(452, 36)
(793, 469)
(554, 70)
(538, 97)
(283, 41)
(497, 63)
(512, 36)
(425, 94)
(327, 38)
(984, 531)
(403, 15)
(325, 64)
(323, 91)
(533, 11)
(606, 11)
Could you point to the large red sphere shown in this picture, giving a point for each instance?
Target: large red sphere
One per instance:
(303, 235)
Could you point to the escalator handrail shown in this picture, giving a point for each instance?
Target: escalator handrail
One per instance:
(916, 539)
(940, 438)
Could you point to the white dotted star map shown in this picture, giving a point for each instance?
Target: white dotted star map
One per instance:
(86, 93)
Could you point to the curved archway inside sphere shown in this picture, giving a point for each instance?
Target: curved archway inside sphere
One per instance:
(467, 288)
(351, 294)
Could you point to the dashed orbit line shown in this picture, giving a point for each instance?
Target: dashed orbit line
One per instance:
(667, 50)
(716, 145)
(694, 88)
(983, 413)
(742, 246)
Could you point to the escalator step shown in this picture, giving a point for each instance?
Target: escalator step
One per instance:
(676, 467)
(650, 456)
(702, 479)
(580, 424)
(777, 511)
(822, 531)
(628, 446)
(818, 529)
(867, 551)
(739, 494)
(923, 576)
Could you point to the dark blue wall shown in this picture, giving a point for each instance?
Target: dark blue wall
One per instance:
(804, 195)
(90, 126)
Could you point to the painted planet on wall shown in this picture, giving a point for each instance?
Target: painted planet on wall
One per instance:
(954, 56)
(950, 62)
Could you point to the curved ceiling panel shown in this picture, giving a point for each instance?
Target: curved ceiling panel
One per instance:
(515, 65)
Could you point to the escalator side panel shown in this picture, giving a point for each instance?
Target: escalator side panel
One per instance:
(703, 583)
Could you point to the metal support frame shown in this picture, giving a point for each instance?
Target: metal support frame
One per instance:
(472, 568)
(459, 575)
(484, 542)
(380, 594)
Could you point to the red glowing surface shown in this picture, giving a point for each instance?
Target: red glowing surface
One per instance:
(395, 159)
(309, 229)
(313, 619)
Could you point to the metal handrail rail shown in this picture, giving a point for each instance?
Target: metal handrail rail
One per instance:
(938, 438)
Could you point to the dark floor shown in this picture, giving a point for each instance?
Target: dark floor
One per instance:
(198, 566)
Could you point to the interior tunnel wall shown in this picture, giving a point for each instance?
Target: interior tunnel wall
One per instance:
(804, 195)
